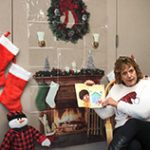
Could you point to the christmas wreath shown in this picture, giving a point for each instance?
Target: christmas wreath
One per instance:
(59, 28)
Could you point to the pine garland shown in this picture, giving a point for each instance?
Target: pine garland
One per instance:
(55, 72)
(59, 8)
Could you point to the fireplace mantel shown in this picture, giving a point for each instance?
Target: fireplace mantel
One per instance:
(69, 80)
(66, 95)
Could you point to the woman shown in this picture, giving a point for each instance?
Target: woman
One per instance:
(129, 101)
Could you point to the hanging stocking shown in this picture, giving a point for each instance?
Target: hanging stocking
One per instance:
(50, 98)
(7, 52)
(15, 83)
(41, 95)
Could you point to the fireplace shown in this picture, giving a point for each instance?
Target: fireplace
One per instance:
(72, 125)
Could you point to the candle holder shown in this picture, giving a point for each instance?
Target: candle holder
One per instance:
(95, 40)
(41, 41)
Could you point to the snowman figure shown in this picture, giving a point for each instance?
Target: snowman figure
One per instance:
(21, 136)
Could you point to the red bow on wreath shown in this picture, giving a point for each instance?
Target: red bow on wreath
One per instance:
(65, 6)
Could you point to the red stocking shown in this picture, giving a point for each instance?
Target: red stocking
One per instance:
(15, 83)
(7, 52)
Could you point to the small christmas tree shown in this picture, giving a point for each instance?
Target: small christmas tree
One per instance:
(90, 61)
(46, 64)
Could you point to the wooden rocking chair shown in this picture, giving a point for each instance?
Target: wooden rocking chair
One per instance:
(109, 122)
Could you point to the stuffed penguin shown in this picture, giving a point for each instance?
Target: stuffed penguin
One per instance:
(21, 136)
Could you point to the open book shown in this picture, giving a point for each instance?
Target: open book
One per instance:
(89, 96)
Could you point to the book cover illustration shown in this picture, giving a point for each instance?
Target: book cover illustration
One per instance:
(89, 96)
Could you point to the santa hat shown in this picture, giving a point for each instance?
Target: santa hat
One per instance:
(15, 114)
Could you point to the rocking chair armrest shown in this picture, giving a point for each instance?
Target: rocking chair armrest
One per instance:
(109, 122)
(109, 130)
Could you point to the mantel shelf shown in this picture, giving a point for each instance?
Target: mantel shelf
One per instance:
(69, 80)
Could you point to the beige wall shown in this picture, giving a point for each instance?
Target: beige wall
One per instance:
(5, 25)
(24, 23)
(26, 20)
(31, 57)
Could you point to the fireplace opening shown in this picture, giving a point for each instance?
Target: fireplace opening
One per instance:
(70, 120)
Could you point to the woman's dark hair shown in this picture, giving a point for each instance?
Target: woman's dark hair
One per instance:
(82, 93)
(119, 64)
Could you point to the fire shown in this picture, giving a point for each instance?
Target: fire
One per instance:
(68, 115)
(69, 120)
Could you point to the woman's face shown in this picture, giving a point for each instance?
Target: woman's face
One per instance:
(129, 75)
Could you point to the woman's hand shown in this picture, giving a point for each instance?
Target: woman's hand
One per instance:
(89, 82)
(109, 101)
